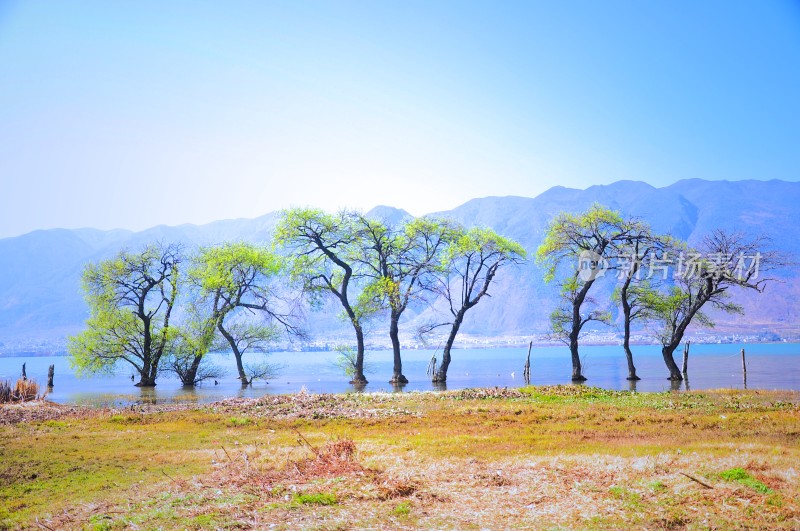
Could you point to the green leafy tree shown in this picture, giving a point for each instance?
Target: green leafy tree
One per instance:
(470, 264)
(326, 250)
(191, 343)
(131, 298)
(399, 262)
(232, 279)
(578, 249)
(702, 279)
(640, 249)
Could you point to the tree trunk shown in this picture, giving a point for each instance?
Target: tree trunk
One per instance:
(577, 376)
(626, 341)
(147, 378)
(358, 378)
(190, 377)
(629, 356)
(577, 324)
(394, 334)
(440, 375)
(674, 371)
(237, 354)
(526, 372)
(677, 336)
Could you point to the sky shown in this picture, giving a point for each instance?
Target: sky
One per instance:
(134, 114)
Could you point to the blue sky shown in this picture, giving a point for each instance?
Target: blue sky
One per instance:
(132, 114)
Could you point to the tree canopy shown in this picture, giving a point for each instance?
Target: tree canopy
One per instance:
(131, 298)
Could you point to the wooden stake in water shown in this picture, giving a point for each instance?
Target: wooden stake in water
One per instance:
(526, 373)
(50, 373)
(744, 365)
(744, 371)
(686, 357)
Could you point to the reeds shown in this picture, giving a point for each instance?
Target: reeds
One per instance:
(5, 392)
(23, 391)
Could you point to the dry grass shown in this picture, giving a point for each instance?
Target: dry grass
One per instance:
(23, 391)
(540, 458)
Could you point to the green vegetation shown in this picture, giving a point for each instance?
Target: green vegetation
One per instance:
(326, 249)
(402, 509)
(371, 267)
(232, 281)
(552, 457)
(580, 249)
(741, 476)
(131, 298)
(315, 498)
(577, 250)
(153, 311)
(468, 269)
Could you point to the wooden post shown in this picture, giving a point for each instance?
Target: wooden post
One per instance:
(50, 373)
(744, 371)
(24, 375)
(744, 365)
(431, 370)
(527, 372)
(686, 358)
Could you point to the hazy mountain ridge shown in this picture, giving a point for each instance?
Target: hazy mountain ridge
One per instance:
(40, 295)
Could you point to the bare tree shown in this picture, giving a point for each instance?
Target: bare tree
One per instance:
(246, 336)
(703, 278)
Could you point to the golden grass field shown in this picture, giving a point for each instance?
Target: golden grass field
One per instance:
(563, 457)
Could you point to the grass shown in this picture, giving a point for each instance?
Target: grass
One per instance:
(315, 498)
(741, 476)
(402, 509)
(552, 457)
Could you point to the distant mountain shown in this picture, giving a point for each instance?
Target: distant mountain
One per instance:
(41, 301)
(390, 215)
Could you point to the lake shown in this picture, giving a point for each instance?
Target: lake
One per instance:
(712, 366)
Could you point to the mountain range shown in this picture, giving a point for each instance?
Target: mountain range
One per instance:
(41, 301)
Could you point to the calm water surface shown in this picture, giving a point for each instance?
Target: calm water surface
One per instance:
(769, 366)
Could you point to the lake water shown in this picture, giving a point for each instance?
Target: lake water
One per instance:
(769, 366)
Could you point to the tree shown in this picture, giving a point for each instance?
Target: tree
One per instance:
(471, 262)
(703, 278)
(579, 248)
(640, 248)
(131, 298)
(248, 336)
(398, 260)
(325, 251)
(192, 341)
(230, 279)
